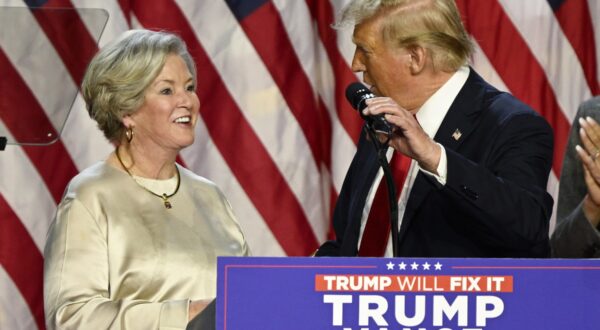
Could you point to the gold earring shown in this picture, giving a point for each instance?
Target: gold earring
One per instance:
(129, 134)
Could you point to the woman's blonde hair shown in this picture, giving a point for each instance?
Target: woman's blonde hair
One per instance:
(118, 75)
(432, 24)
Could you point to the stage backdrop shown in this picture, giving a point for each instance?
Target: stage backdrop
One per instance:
(275, 133)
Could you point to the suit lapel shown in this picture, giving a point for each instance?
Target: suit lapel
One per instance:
(456, 127)
(368, 167)
(462, 116)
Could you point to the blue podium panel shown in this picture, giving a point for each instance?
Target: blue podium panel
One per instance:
(407, 293)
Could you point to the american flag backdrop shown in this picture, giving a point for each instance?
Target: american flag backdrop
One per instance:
(275, 132)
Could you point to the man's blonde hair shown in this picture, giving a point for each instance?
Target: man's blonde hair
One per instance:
(432, 24)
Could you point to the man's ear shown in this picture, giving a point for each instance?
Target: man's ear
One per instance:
(418, 59)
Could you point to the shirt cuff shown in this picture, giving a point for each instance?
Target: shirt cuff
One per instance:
(442, 169)
(174, 314)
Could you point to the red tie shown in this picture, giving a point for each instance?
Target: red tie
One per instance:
(377, 231)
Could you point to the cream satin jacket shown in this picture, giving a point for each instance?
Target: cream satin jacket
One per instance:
(116, 258)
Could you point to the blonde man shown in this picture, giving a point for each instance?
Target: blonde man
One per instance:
(479, 158)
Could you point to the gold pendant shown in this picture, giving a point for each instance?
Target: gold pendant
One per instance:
(166, 200)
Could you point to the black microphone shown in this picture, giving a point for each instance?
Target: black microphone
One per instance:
(357, 94)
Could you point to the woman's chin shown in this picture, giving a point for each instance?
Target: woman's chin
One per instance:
(187, 142)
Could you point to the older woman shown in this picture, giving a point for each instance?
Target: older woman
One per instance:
(135, 239)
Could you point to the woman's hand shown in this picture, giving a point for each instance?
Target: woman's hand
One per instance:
(197, 306)
(589, 155)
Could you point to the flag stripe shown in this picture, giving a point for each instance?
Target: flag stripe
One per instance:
(53, 162)
(594, 6)
(313, 57)
(30, 131)
(20, 316)
(263, 106)
(562, 70)
(277, 53)
(279, 57)
(54, 101)
(495, 32)
(483, 66)
(575, 19)
(322, 13)
(63, 26)
(249, 161)
(84, 151)
(19, 21)
(126, 8)
(22, 260)
(22, 187)
(96, 11)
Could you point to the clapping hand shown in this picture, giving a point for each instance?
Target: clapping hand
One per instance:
(589, 154)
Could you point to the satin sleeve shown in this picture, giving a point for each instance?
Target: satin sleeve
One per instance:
(77, 286)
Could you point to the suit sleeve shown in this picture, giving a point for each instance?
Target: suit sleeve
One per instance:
(504, 198)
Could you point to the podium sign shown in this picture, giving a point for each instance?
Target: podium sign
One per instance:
(407, 293)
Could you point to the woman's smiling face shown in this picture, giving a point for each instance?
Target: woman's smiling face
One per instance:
(168, 116)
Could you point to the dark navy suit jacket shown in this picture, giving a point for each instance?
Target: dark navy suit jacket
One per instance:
(494, 203)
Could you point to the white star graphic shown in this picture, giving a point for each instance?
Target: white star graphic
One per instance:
(426, 266)
(438, 266)
(402, 266)
(390, 265)
(414, 266)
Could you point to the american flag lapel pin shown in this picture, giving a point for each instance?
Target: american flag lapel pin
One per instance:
(457, 134)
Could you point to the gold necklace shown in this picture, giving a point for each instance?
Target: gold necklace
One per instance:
(164, 196)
